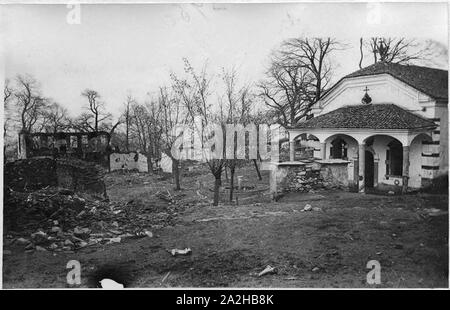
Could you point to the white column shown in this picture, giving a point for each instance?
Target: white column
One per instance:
(323, 150)
(291, 150)
(361, 166)
(405, 168)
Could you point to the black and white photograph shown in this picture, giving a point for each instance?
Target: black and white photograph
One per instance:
(224, 145)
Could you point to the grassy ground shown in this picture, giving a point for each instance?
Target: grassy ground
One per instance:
(231, 244)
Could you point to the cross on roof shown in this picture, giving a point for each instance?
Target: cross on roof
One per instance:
(366, 89)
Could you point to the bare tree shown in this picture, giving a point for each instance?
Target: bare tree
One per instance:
(127, 120)
(112, 129)
(285, 91)
(29, 101)
(392, 50)
(235, 109)
(82, 123)
(7, 95)
(361, 52)
(154, 129)
(96, 108)
(139, 129)
(298, 74)
(55, 118)
(144, 127)
(194, 92)
(173, 114)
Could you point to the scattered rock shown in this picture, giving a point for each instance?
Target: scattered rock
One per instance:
(67, 242)
(176, 252)
(82, 244)
(53, 246)
(315, 269)
(23, 241)
(39, 237)
(307, 207)
(41, 249)
(268, 270)
(110, 284)
(81, 232)
(30, 246)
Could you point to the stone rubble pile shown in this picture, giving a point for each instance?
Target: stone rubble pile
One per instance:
(56, 219)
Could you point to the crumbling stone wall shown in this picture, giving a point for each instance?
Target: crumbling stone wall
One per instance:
(128, 161)
(304, 177)
(90, 146)
(80, 176)
(39, 172)
(30, 174)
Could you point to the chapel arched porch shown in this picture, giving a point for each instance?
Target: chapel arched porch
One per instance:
(376, 157)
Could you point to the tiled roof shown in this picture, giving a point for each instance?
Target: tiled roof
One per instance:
(368, 116)
(433, 82)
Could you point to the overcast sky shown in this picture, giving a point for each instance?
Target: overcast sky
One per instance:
(121, 48)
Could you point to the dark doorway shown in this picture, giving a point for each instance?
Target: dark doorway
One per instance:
(369, 169)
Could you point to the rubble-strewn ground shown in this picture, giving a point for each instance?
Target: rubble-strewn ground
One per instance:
(129, 237)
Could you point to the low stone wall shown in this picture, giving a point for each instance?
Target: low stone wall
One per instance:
(304, 176)
(39, 172)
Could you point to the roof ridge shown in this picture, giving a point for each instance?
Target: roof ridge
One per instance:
(387, 116)
(379, 63)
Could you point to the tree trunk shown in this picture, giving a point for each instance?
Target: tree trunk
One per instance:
(232, 170)
(257, 169)
(127, 143)
(176, 174)
(217, 183)
(361, 52)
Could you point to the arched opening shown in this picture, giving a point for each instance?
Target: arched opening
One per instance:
(344, 147)
(305, 146)
(339, 148)
(387, 154)
(394, 158)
